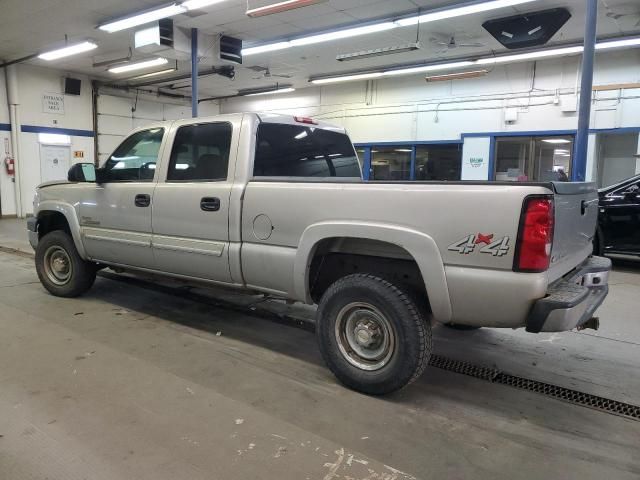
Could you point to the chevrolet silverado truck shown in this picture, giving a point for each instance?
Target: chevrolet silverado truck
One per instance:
(276, 204)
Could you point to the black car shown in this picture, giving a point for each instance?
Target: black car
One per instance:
(619, 219)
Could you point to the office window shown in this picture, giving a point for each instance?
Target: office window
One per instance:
(438, 162)
(391, 163)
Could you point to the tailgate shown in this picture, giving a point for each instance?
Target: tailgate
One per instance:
(576, 216)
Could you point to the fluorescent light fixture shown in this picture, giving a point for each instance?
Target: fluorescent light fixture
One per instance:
(347, 78)
(339, 34)
(556, 140)
(67, 51)
(265, 48)
(404, 150)
(54, 139)
(627, 42)
(554, 52)
(428, 68)
(154, 74)
(269, 92)
(281, 7)
(457, 76)
(459, 11)
(142, 18)
(378, 52)
(156, 62)
(195, 4)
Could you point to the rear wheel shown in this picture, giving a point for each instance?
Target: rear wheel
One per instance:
(372, 335)
(60, 268)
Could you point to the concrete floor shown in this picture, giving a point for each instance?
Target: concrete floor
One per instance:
(137, 382)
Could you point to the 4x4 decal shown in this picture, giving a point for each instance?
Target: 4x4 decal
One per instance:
(468, 245)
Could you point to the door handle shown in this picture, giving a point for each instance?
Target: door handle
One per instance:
(143, 200)
(210, 204)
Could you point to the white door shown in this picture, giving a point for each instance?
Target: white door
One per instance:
(54, 162)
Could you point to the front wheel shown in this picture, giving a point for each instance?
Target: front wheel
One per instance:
(372, 335)
(60, 268)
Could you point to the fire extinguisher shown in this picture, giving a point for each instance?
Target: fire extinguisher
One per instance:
(10, 166)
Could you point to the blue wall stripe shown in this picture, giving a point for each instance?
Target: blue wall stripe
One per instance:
(59, 131)
(5, 127)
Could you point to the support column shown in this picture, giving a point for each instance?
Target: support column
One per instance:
(584, 113)
(194, 72)
(11, 73)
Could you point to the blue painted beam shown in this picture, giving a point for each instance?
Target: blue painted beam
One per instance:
(194, 72)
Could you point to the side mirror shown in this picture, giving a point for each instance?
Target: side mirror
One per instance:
(82, 172)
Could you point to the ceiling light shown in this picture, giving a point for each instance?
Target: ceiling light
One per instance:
(556, 140)
(153, 74)
(339, 34)
(265, 48)
(269, 92)
(554, 52)
(347, 78)
(378, 52)
(142, 18)
(626, 42)
(195, 4)
(68, 51)
(457, 76)
(139, 65)
(404, 150)
(281, 7)
(428, 68)
(459, 11)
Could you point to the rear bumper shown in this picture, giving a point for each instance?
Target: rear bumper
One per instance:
(32, 231)
(572, 301)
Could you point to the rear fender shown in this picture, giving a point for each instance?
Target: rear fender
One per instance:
(421, 247)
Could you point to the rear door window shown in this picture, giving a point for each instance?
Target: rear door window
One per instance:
(303, 151)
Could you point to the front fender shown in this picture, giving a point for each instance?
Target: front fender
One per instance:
(69, 213)
(421, 247)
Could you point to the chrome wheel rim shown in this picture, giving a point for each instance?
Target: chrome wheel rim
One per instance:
(365, 336)
(57, 265)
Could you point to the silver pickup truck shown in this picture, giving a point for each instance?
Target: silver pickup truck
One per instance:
(275, 204)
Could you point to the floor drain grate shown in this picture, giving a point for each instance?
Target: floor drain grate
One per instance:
(561, 393)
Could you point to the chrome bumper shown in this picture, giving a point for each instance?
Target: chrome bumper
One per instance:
(32, 231)
(572, 301)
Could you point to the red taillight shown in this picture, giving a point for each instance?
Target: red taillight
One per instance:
(307, 120)
(533, 250)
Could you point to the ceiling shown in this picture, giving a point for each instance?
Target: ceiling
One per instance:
(30, 26)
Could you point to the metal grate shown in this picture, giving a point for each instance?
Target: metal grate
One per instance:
(561, 393)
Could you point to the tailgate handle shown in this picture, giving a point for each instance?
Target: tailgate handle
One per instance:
(210, 204)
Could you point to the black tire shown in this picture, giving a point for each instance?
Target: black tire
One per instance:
(377, 306)
(459, 326)
(60, 268)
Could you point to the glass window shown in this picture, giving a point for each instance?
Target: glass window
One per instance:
(200, 153)
(135, 159)
(297, 151)
(391, 163)
(438, 162)
(362, 153)
(537, 159)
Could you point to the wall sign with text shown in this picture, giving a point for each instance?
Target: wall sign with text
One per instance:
(53, 103)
